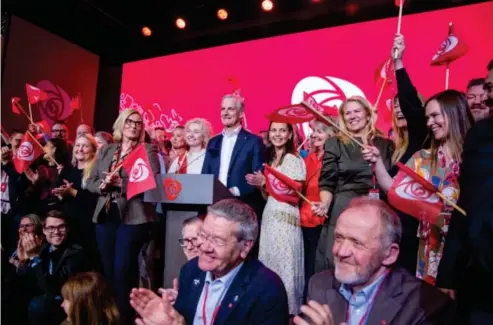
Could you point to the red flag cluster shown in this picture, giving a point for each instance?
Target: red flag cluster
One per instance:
(281, 187)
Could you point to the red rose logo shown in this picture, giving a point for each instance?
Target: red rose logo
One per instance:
(172, 188)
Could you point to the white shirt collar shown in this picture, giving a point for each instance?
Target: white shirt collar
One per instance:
(226, 279)
(233, 133)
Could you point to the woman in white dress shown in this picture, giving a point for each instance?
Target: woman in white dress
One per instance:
(281, 239)
(197, 133)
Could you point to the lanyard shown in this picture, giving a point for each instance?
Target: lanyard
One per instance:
(370, 304)
(216, 310)
(50, 265)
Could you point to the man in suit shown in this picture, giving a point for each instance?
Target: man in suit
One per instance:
(466, 267)
(220, 286)
(364, 288)
(234, 153)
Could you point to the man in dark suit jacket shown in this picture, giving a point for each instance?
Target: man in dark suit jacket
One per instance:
(467, 263)
(364, 288)
(220, 286)
(234, 153)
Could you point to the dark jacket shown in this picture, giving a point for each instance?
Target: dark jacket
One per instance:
(256, 296)
(402, 300)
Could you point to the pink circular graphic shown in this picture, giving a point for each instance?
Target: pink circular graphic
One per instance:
(57, 105)
(25, 151)
(294, 111)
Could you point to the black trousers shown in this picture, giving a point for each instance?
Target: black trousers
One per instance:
(311, 236)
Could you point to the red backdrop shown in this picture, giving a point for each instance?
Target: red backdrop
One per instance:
(332, 63)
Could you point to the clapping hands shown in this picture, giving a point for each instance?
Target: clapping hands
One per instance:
(154, 310)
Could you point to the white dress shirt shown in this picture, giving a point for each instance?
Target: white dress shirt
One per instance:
(227, 146)
(216, 290)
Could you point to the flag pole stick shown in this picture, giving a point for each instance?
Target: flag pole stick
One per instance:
(451, 203)
(80, 108)
(303, 143)
(399, 23)
(447, 76)
(334, 125)
(5, 136)
(30, 112)
(382, 87)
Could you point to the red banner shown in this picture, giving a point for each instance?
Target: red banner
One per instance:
(140, 175)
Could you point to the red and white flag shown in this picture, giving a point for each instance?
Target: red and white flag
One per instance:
(291, 114)
(398, 3)
(28, 151)
(34, 94)
(75, 102)
(281, 187)
(140, 175)
(450, 50)
(15, 107)
(385, 73)
(414, 195)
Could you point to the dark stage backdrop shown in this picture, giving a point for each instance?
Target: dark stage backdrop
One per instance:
(48, 62)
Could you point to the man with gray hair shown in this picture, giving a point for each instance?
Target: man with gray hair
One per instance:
(220, 286)
(365, 288)
(234, 153)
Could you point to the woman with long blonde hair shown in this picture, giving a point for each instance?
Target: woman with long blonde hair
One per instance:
(87, 301)
(345, 174)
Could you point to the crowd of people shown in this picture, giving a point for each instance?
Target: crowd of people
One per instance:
(73, 244)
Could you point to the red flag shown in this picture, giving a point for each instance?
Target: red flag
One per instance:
(292, 114)
(28, 151)
(414, 195)
(326, 110)
(450, 50)
(385, 72)
(140, 175)
(15, 109)
(35, 94)
(281, 187)
(398, 3)
(75, 102)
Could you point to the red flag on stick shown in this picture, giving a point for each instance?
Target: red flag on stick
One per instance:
(451, 49)
(385, 73)
(398, 3)
(28, 151)
(15, 108)
(35, 94)
(281, 187)
(292, 114)
(139, 170)
(75, 102)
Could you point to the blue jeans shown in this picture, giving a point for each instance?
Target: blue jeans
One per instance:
(119, 245)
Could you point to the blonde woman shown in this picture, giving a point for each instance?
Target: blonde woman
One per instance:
(197, 134)
(345, 174)
(122, 226)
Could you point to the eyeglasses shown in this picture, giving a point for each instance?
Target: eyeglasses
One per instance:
(130, 122)
(51, 229)
(185, 241)
(214, 241)
(26, 226)
(58, 131)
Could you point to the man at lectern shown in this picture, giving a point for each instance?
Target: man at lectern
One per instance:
(234, 153)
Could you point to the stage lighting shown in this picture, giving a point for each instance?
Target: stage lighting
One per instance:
(267, 5)
(180, 23)
(146, 31)
(222, 14)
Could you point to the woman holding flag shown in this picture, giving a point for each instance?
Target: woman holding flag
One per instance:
(122, 225)
(448, 119)
(345, 174)
(281, 240)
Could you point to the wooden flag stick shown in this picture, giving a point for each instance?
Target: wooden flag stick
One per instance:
(30, 112)
(304, 198)
(447, 76)
(327, 120)
(451, 203)
(382, 87)
(303, 143)
(399, 23)
(80, 109)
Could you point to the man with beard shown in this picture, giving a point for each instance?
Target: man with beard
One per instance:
(365, 288)
(476, 99)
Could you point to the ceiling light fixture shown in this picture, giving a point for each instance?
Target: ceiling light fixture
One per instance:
(180, 23)
(267, 5)
(146, 31)
(222, 14)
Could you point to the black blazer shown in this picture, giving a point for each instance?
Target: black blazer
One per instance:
(402, 300)
(256, 296)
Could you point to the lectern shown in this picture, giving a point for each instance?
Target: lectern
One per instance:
(183, 196)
